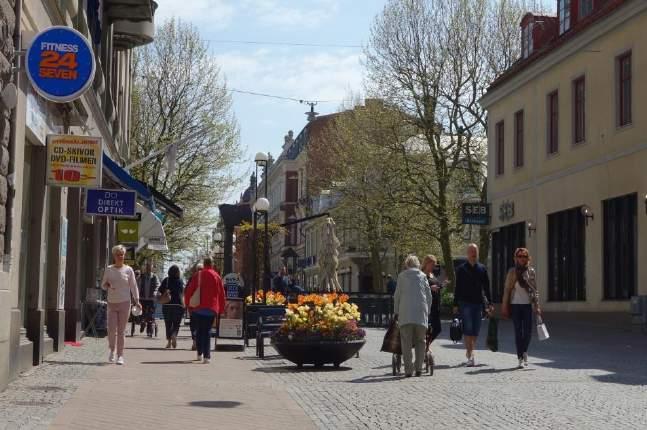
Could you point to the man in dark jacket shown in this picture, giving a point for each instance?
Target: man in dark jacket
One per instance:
(472, 293)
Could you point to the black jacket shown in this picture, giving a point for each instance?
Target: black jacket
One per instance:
(176, 287)
(472, 283)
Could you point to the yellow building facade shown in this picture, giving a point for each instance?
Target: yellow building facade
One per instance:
(567, 151)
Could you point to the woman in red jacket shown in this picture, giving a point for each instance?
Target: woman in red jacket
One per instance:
(205, 298)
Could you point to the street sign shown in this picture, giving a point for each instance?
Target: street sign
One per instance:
(476, 213)
(60, 64)
(74, 161)
(110, 203)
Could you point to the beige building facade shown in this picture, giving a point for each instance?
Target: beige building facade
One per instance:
(567, 151)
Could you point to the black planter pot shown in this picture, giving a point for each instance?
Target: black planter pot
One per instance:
(318, 352)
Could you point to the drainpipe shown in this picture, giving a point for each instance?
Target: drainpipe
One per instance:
(11, 177)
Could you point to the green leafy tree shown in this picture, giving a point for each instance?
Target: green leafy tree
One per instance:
(179, 92)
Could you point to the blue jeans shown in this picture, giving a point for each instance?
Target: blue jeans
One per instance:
(471, 313)
(522, 320)
(203, 324)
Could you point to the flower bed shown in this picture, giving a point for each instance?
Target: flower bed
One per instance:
(273, 298)
(328, 317)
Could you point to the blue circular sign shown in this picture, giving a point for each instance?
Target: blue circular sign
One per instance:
(60, 64)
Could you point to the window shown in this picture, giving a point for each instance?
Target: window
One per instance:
(564, 11)
(586, 7)
(620, 247)
(553, 122)
(579, 110)
(500, 148)
(504, 242)
(526, 40)
(566, 256)
(624, 89)
(518, 139)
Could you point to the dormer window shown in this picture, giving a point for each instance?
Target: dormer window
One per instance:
(586, 7)
(526, 40)
(564, 13)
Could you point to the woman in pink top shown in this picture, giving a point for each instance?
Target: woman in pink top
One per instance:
(119, 281)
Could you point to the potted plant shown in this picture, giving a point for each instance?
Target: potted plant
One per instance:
(320, 329)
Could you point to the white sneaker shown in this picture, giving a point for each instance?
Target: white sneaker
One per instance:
(120, 360)
(199, 357)
(525, 359)
(206, 361)
(520, 366)
(111, 357)
(471, 362)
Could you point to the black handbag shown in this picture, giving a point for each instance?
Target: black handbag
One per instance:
(493, 334)
(456, 330)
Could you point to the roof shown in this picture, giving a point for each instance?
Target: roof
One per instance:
(579, 27)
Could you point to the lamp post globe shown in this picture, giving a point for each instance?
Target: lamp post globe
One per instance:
(261, 157)
(262, 205)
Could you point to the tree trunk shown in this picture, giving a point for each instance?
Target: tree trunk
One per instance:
(484, 233)
(376, 270)
(445, 237)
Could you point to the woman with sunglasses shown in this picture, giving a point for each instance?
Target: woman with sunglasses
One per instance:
(520, 300)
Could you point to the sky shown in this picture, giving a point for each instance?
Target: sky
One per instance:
(325, 73)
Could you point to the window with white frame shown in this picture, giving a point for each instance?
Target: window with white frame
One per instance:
(586, 7)
(526, 40)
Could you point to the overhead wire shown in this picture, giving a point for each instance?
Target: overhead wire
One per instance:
(302, 44)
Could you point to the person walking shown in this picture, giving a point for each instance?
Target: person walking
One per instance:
(192, 325)
(471, 295)
(174, 309)
(119, 281)
(148, 285)
(428, 266)
(390, 285)
(412, 302)
(205, 296)
(521, 300)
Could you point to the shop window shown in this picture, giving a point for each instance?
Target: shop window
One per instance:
(620, 247)
(504, 242)
(566, 256)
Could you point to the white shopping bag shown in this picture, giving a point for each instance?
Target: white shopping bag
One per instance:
(542, 331)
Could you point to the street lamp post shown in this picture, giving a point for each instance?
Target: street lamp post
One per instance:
(262, 159)
(262, 206)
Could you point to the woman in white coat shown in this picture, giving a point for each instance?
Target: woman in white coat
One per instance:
(412, 303)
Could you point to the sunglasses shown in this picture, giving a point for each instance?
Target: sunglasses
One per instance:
(523, 256)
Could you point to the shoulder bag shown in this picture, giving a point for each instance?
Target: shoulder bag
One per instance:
(194, 301)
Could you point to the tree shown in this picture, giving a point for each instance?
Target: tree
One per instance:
(354, 161)
(179, 91)
(433, 61)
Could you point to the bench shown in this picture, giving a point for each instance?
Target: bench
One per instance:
(269, 321)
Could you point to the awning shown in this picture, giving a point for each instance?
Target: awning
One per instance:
(151, 231)
(164, 202)
(123, 178)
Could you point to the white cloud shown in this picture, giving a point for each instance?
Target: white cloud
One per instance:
(319, 75)
(291, 13)
(214, 13)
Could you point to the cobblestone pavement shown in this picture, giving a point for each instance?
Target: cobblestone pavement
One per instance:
(33, 400)
(587, 376)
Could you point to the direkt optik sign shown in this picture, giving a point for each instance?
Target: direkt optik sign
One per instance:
(110, 203)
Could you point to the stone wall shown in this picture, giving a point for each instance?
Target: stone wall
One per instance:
(7, 24)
